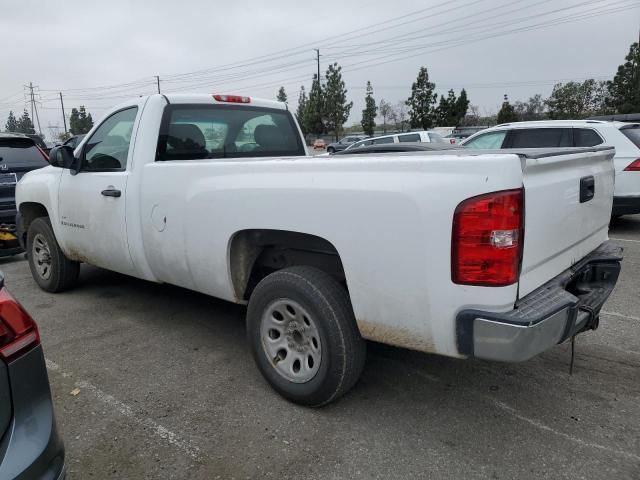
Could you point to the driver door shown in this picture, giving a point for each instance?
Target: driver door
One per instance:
(91, 203)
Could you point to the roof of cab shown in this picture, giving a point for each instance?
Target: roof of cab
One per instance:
(207, 99)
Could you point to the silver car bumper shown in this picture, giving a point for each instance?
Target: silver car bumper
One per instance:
(563, 307)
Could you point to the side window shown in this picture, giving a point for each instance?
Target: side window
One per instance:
(108, 147)
(379, 141)
(586, 137)
(540, 138)
(412, 137)
(487, 141)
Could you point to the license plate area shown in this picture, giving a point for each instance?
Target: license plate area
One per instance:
(8, 179)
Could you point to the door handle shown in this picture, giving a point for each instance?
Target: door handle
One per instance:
(111, 192)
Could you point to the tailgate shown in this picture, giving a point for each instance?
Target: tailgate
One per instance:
(560, 226)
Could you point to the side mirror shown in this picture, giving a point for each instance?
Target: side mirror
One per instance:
(62, 156)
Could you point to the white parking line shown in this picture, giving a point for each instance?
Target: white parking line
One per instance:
(620, 315)
(624, 240)
(172, 438)
(512, 411)
(536, 423)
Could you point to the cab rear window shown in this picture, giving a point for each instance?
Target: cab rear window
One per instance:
(192, 132)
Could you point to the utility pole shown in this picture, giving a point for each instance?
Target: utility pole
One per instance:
(64, 118)
(158, 82)
(34, 108)
(319, 85)
(318, 61)
(31, 99)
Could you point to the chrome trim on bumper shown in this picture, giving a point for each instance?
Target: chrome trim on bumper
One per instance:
(516, 343)
(563, 307)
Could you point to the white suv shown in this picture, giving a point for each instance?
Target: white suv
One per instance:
(625, 137)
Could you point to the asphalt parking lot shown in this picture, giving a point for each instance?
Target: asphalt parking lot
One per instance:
(167, 389)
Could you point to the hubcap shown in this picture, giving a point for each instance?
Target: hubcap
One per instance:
(291, 340)
(41, 256)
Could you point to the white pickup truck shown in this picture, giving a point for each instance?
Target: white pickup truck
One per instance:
(497, 255)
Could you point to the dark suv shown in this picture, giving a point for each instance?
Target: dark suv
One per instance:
(19, 154)
(30, 446)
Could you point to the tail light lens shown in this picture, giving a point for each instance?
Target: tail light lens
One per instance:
(18, 331)
(633, 166)
(487, 239)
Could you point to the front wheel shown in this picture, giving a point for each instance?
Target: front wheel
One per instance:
(304, 337)
(50, 268)
(331, 150)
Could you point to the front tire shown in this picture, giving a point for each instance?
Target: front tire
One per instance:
(50, 268)
(331, 150)
(303, 336)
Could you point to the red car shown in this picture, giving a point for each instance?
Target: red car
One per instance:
(319, 144)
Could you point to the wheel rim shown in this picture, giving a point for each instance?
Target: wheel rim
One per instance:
(41, 256)
(291, 340)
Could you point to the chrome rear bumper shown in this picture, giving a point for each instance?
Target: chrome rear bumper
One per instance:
(563, 307)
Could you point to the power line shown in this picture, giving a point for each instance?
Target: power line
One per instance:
(302, 48)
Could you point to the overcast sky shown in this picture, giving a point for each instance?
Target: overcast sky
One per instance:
(99, 53)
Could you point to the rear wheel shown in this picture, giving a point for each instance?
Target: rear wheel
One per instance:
(50, 268)
(304, 337)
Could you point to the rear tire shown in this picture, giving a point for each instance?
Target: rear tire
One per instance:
(302, 316)
(50, 268)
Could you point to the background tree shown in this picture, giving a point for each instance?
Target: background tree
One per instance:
(314, 109)
(576, 100)
(24, 124)
(401, 115)
(624, 89)
(532, 109)
(462, 105)
(79, 121)
(451, 110)
(472, 117)
(506, 113)
(421, 101)
(336, 108)
(393, 118)
(12, 122)
(386, 110)
(63, 136)
(302, 109)
(369, 113)
(282, 95)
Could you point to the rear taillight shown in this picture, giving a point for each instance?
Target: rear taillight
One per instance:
(487, 239)
(633, 166)
(232, 98)
(452, 141)
(18, 331)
